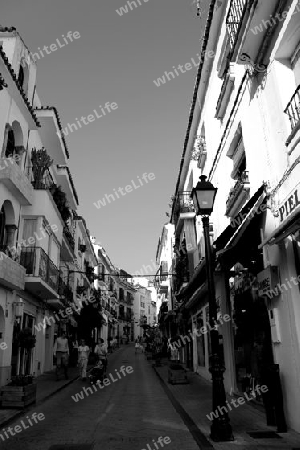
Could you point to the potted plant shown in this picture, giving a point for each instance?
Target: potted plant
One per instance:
(177, 374)
(41, 162)
(60, 200)
(21, 390)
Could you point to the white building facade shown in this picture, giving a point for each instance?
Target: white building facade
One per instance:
(243, 134)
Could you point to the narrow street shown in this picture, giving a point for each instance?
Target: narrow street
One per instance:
(128, 414)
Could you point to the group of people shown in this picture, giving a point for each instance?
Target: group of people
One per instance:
(62, 352)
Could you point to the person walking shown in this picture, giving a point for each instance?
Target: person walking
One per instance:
(101, 352)
(61, 351)
(136, 345)
(83, 356)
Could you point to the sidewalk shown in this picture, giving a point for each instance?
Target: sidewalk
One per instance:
(46, 387)
(196, 400)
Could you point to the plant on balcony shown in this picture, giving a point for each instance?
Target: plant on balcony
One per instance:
(41, 162)
(60, 200)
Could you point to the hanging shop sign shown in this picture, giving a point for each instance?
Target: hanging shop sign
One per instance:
(267, 280)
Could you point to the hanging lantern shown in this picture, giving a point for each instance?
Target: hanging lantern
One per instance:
(19, 308)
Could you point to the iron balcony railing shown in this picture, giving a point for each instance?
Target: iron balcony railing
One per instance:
(234, 19)
(183, 204)
(38, 264)
(293, 109)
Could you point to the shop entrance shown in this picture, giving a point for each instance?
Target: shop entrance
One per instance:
(252, 339)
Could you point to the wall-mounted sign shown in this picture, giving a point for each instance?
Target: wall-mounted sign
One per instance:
(267, 280)
(289, 205)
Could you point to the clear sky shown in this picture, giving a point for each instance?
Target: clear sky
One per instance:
(116, 60)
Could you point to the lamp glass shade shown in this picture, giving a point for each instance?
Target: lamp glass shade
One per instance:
(203, 196)
(19, 308)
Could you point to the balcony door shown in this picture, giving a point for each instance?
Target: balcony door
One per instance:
(28, 250)
(2, 229)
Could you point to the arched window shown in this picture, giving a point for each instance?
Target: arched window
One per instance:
(21, 76)
(2, 228)
(10, 146)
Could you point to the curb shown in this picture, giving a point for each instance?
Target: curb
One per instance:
(200, 439)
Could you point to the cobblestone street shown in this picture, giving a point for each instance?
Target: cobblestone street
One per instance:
(128, 414)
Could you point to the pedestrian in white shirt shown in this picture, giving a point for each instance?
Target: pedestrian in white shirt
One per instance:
(61, 351)
(83, 356)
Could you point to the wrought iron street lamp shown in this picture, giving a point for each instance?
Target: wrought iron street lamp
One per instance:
(203, 196)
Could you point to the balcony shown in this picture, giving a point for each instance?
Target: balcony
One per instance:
(234, 20)
(41, 273)
(184, 207)
(12, 274)
(181, 276)
(68, 245)
(247, 23)
(16, 181)
(65, 292)
(69, 237)
(238, 195)
(293, 112)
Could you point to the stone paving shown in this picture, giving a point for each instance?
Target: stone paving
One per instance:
(129, 413)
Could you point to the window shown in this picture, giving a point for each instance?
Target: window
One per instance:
(29, 229)
(295, 63)
(237, 153)
(21, 76)
(142, 305)
(10, 146)
(2, 228)
(13, 142)
(54, 251)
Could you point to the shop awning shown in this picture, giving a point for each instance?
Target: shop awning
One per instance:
(241, 239)
(237, 223)
(200, 292)
(287, 227)
(197, 279)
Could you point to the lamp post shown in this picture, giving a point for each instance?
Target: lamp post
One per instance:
(203, 196)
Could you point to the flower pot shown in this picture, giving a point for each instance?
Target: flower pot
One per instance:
(177, 374)
(18, 397)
